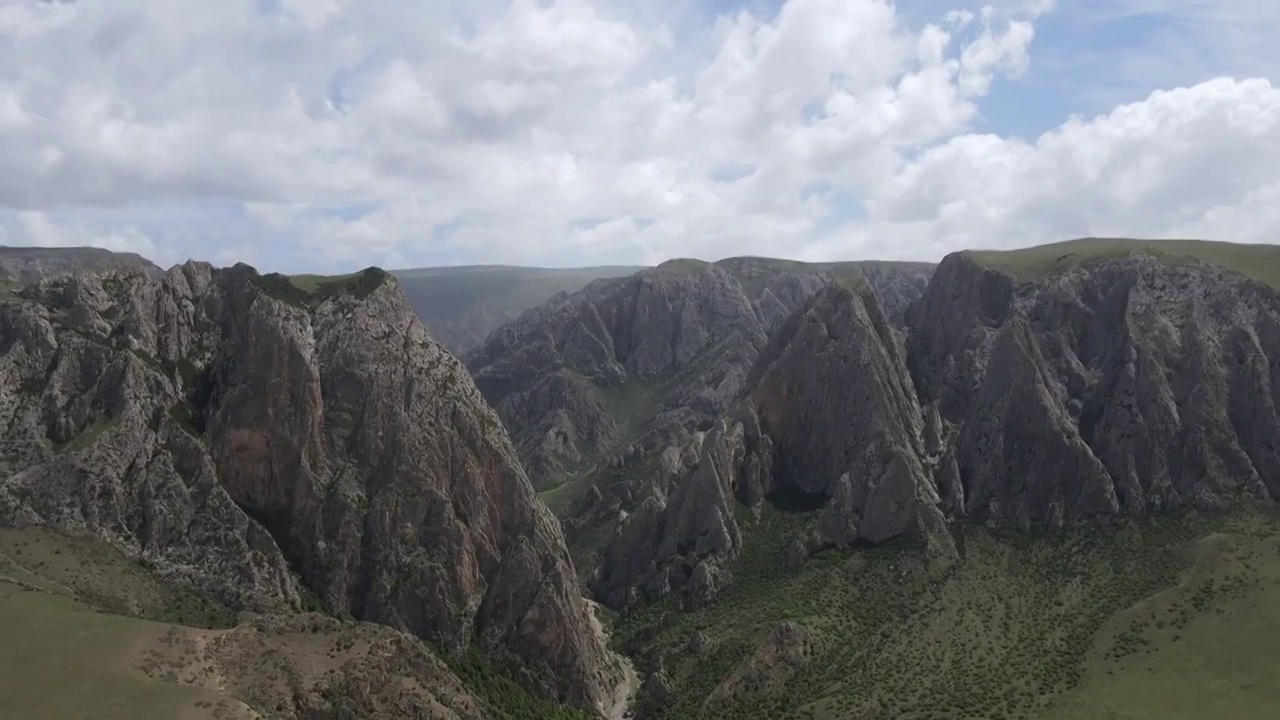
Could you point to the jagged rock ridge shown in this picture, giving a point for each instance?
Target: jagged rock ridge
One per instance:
(648, 356)
(258, 442)
(1128, 385)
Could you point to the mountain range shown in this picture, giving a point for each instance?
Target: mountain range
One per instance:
(1034, 483)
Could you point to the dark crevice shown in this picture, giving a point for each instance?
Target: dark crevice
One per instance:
(787, 498)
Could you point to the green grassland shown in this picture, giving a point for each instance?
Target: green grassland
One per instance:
(1260, 262)
(89, 634)
(62, 660)
(1152, 618)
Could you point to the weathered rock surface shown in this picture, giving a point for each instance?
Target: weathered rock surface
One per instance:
(250, 439)
(1128, 385)
(667, 348)
(678, 542)
(836, 401)
(828, 418)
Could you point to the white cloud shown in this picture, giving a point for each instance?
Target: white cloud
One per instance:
(332, 133)
(34, 228)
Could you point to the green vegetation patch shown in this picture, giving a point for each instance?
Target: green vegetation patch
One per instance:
(1023, 626)
(1259, 262)
(503, 697)
(359, 285)
(280, 287)
(632, 405)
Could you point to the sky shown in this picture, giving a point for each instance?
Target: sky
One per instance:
(329, 135)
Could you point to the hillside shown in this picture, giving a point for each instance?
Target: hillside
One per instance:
(22, 265)
(596, 387)
(823, 535)
(1030, 484)
(1259, 262)
(1173, 618)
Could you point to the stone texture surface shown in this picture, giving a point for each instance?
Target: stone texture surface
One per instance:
(1130, 385)
(249, 439)
(642, 357)
(1127, 385)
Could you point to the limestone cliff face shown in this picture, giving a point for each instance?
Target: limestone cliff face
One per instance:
(678, 537)
(839, 408)
(252, 440)
(1130, 385)
(666, 348)
(827, 418)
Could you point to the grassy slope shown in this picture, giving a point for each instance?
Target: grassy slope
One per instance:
(1260, 262)
(62, 661)
(82, 637)
(64, 658)
(1067, 627)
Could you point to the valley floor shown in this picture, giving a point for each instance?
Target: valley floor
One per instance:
(1157, 618)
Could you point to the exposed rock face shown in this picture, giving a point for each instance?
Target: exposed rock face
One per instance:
(666, 348)
(828, 418)
(1129, 385)
(678, 542)
(835, 399)
(236, 432)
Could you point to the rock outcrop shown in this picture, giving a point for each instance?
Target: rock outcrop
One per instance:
(1124, 385)
(679, 542)
(827, 418)
(257, 442)
(839, 409)
(1127, 385)
(666, 349)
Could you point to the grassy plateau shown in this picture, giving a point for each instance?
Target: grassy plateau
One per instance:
(1259, 262)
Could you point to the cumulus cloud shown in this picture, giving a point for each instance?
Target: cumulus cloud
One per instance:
(323, 134)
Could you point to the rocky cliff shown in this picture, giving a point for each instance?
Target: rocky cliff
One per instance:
(261, 443)
(827, 419)
(1127, 384)
(648, 356)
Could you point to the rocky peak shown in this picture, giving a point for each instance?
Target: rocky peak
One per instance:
(1125, 385)
(260, 442)
(666, 348)
(827, 419)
